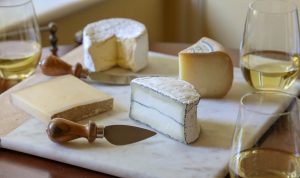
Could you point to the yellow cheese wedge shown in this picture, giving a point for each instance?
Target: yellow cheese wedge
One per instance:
(208, 67)
(66, 96)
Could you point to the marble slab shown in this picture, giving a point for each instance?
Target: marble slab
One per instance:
(158, 156)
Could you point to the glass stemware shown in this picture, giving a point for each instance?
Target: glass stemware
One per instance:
(20, 47)
(266, 140)
(270, 45)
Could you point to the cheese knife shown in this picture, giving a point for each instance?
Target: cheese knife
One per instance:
(54, 66)
(60, 130)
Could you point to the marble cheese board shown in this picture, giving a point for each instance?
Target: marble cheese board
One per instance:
(158, 156)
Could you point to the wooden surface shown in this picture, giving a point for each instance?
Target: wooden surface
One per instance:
(14, 164)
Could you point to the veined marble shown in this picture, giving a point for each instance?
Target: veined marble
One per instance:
(158, 156)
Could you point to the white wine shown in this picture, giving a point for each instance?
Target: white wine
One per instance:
(264, 163)
(18, 59)
(269, 70)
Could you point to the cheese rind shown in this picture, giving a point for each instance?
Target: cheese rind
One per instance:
(66, 96)
(167, 105)
(115, 41)
(208, 67)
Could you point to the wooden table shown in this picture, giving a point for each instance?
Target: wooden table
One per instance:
(14, 164)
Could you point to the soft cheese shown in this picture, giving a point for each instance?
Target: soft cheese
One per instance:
(67, 97)
(116, 41)
(208, 67)
(167, 105)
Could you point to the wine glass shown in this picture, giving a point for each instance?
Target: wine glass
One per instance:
(266, 140)
(270, 47)
(20, 47)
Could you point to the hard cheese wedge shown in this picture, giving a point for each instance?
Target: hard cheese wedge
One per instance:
(66, 96)
(208, 67)
(167, 105)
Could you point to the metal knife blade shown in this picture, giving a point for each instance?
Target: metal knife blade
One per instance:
(54, 66)
(61, 130)
(114, 76)
(113, 79)
(126, 134)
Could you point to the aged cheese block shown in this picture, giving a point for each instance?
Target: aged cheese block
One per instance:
(167, 105)
(66, 96)
(116, 41)
(208, 67)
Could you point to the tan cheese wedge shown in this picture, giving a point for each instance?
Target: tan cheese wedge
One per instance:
(208, 67)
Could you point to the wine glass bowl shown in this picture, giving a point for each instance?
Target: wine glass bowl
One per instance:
(267, 137)
(270, 45)
(20, 47)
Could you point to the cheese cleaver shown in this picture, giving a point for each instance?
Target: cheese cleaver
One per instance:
(54, 66)
(61, 130)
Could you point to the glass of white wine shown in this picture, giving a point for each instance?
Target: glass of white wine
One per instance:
(266, 142)
(270, 45)
(20, 47)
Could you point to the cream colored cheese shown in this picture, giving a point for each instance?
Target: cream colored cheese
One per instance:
(115, 42)
(64, 96)
(167, 105)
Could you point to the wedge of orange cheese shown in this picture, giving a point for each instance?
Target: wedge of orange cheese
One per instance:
(208, 67)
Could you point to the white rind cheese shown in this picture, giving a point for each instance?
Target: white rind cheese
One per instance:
(66, 97)
(208, 67)
(167, 105)
(115, 41)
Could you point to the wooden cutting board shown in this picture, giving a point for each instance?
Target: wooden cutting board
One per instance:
(158, 156)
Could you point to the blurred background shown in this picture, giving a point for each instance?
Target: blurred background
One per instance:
(183, 21)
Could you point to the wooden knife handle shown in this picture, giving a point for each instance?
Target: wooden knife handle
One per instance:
(61, 130)
(54, 66)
